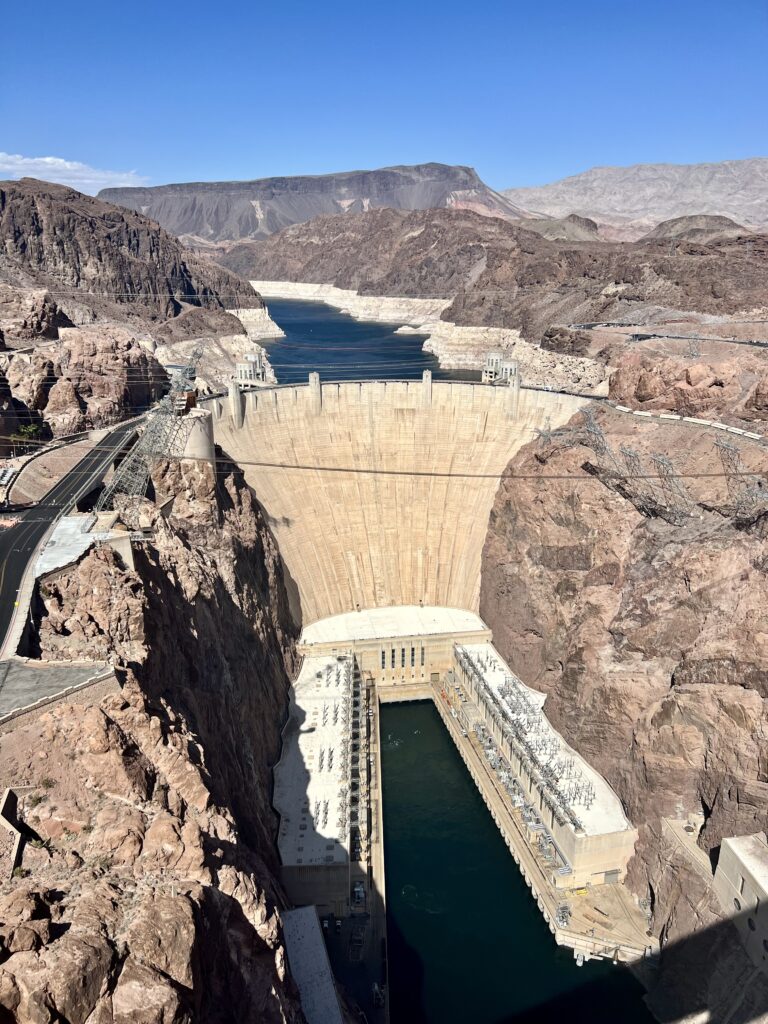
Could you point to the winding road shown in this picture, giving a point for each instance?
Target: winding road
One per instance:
(19, 543)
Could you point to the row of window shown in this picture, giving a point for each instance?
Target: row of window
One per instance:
(393, 657)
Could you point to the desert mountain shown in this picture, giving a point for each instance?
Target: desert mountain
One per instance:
(501, 275)
(214, 211)
(635, 199)
(563, 229)
(702, 229)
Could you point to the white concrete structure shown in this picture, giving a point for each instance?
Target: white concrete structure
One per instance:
(498, 367)
(379, 492)
(251, 370)
(569, 808)
(73, 535)
(312, 784)
(741, 884)
(311, 970)
(399, 646)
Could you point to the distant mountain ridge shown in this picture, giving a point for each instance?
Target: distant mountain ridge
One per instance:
(633, 200)
(216, 211)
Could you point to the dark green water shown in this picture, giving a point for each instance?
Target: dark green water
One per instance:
(466, 940)
(339, 347)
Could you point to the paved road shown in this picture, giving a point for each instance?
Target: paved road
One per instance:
(18, 544)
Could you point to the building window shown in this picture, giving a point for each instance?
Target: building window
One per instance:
(741, 886)
(751, 923)
(383, 659)
(402, 657)
(393, 657)
(413, 657)
(737, 902)
(422, 657)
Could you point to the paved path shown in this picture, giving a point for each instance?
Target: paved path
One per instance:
(19, 543)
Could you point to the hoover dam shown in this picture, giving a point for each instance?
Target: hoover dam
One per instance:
(379, 492)
(379, 495)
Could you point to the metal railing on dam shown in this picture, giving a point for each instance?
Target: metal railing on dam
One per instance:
(379, 492)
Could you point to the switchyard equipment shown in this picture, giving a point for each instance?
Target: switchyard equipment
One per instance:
(569, 812)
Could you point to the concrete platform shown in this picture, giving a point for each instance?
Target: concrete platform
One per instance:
(25, 682)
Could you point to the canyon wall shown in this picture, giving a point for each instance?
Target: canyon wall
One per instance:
(649, 638)
(147, 889)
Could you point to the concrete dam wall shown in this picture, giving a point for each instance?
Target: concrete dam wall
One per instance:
(379, 492)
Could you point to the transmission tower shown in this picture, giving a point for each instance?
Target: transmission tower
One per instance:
(694, 348)
(744, 489)
(675, 497)
(544, 433)
(164, 437)
(595, 438)
(643, 484)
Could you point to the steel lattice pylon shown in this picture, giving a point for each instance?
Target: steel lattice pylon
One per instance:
(164, 437)
(744, 489)
(675, 496)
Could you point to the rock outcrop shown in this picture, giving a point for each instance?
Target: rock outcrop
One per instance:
(649, 639)
(147, 892)
(115, 259)
(92, 377)
(694, 387)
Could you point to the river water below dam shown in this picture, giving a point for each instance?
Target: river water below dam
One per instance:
(467, 943)
(319, 337)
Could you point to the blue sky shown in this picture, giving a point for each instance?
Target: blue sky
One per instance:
(525, 92)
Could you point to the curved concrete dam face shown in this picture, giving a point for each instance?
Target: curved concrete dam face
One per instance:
(378, 492)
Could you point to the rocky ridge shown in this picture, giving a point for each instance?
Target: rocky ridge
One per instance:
(148, 891)
(71, 261)
(213, 211)
(497, 274)
(629, 201)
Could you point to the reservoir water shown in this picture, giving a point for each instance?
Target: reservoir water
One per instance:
(339, 347)
(467, 944)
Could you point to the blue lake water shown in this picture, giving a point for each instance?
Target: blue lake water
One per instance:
(339, 347)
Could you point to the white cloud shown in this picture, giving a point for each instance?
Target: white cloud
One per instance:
(65, 172)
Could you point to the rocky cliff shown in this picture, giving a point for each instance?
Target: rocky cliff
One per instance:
(71, 261)
(147, 892)
(91, 378)
(630, 200)
(231, 210)
(500, 275)
(114, 258)
(648, 635)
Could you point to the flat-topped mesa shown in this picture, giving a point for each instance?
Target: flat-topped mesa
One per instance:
(379, 492)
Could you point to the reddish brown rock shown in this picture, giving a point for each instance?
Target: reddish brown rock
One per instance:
(154, 896)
